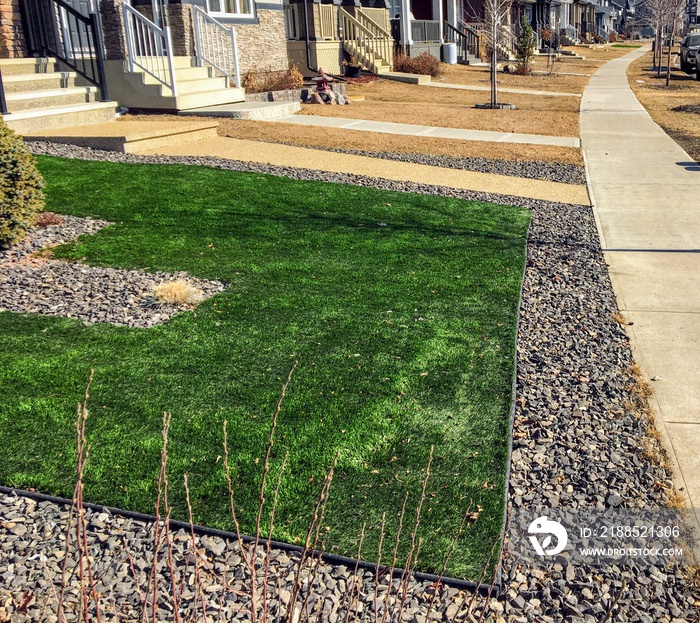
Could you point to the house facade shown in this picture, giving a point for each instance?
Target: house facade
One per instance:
(166, 55)
(324, 33)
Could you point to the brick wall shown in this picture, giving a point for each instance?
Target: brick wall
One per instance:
(263, 46)
(11, 33)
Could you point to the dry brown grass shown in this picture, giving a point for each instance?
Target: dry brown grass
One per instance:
(388, 100)
(638, 385)
(684, 90)
(353, 139)
(48, 219)
(178, 292)
(619, 318)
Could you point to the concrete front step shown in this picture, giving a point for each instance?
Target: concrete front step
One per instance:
(53, 117)
(260, 111)
(404, 77)
(130, 136)
(178, 61)
(30, 100)
(188, 101)
(14, 66)
(19, 83)
(183, 73)
(202, 85)
(570, 54)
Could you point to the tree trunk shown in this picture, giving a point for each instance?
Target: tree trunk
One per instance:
(668, 56)
(494, 70)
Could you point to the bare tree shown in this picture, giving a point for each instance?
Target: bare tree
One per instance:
(664, 17)
(654, 13)
(675, 14)
(497, 15)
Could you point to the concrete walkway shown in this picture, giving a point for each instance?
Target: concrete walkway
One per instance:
(646, 194)
(407, 129)
(319, 160)
(446, 85)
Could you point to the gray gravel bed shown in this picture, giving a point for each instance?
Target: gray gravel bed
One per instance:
(42, 237)
(540, 170)
(92, 294)
(577, 442)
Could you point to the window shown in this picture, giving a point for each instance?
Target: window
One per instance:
(230, 7)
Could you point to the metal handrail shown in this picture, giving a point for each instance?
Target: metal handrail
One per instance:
(54, 28)
(216, 46)
(3, 103)
(467, 40)
(150, 48)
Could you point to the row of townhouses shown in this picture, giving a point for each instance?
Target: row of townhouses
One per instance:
(181, 54)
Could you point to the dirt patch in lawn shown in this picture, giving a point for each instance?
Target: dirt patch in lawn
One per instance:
(293, 134)
(398, 102)
(674, 107)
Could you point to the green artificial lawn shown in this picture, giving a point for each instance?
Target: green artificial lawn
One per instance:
(400, 309)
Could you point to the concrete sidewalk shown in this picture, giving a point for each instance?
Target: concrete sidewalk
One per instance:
(646, 196)
(320, 160)
(406, 129)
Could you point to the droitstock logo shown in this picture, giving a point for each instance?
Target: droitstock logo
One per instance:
(543, 526)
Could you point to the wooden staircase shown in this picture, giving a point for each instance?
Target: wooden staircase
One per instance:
(367, 41)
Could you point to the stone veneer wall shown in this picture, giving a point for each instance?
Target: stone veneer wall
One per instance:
(263, 46)
(115, 38)
(11, 33)
(113, 29)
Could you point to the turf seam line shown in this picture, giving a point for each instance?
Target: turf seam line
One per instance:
(333, 559)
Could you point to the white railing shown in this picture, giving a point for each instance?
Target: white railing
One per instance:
(216, 46)
(327, 22)
(603, 33)
(149, 47)
(367, 41)
(570, 32)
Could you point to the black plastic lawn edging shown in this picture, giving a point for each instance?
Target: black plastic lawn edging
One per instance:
(332, 559)
(511, 418)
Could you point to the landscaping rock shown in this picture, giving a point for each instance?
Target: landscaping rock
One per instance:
(92, 294)
(576, 443)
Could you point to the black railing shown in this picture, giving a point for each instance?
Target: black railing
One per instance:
(3, 103)
(54, 28)
(466, 39)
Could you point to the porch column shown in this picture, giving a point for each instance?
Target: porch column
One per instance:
(406, 22)
(451, 16)
(441, 19)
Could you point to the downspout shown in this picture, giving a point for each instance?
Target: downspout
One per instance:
(306, 36)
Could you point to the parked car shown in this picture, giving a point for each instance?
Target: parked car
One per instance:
(689, 53)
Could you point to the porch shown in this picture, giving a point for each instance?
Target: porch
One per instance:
(326, 34)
